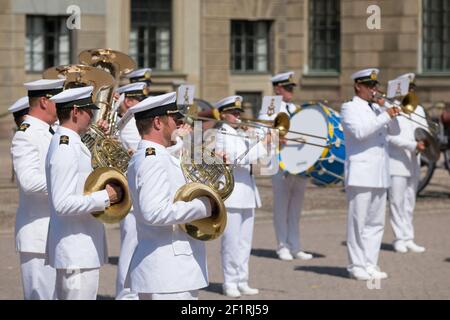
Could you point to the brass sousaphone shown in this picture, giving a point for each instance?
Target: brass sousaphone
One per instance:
(108, 154)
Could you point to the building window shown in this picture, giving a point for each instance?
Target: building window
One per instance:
(324, 35)
(151, 33)
(436, 36)
(250, 46)
(251, 102)
(47, 42)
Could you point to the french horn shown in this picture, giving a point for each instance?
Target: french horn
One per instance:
(213, 179)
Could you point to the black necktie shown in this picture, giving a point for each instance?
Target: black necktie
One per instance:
(50, 129)
(288, 108)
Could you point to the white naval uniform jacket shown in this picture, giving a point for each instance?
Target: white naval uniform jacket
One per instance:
(129, 135)
(403, 158)
(76, 239)
(29, 149)
(245, 194)
(366, 156)
(166, 258)
(289, 108)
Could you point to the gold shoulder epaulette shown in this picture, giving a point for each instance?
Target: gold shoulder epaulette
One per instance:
(64, 140)
(23, 127)
(150, 152)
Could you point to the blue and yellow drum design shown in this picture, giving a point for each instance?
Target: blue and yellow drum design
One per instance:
(318, 125)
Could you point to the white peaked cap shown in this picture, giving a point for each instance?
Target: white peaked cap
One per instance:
(19, 105)
(156, 106)
(79, 96)
(231, 102)
(369, 74)
(44, 87)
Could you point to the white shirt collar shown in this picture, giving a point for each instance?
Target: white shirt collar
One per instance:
(358, 99)
(69, 132)
(144, 144)
(35, 121)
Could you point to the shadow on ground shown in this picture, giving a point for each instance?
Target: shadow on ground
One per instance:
(447, 260)
(264, 253)
(384, 246)
(433, 195)
(104, 297)
(270, 253)
(330, 271)
(387, 247)
(213, 287)
(113, 260)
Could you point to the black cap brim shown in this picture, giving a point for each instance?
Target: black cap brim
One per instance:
(369, 83)
(230, 109)
(91, 106)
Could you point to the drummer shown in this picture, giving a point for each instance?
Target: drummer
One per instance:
(288, 189)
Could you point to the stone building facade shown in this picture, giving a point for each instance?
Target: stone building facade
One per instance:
(203, 42)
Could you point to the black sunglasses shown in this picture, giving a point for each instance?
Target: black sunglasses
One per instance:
(289, 88)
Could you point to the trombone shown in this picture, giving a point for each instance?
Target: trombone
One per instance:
(408, 106)
(280, 123)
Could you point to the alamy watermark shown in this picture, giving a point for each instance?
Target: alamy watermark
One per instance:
(373, 22)
(373, 284)
(74, 20)
(209, 147)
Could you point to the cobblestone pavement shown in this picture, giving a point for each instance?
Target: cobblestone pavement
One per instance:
(323, 229)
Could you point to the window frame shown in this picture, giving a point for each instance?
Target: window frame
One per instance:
(143, 56)
(243, 37)
(60, 21)
(428, 22)
(313, 43)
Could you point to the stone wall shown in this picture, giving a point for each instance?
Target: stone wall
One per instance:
(201, 45)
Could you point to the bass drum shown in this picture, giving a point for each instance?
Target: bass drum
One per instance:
(324, 165)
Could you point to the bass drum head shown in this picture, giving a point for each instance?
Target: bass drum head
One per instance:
(296, 157)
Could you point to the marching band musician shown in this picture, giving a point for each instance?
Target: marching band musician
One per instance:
(19, 110)
(29, 149)
(141, 75)
(133, 94)
(237, 239)
(76, 245)
(404, 165)
(288, 189)
(129, 137)
(366, 173)
(167, 263)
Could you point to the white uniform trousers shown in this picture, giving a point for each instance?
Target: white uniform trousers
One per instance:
(402, 200)
(185, 295)
(236, 246)
(77, 284)
(365, 225)
(128, 243)
(288, 195)
(38, 279)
